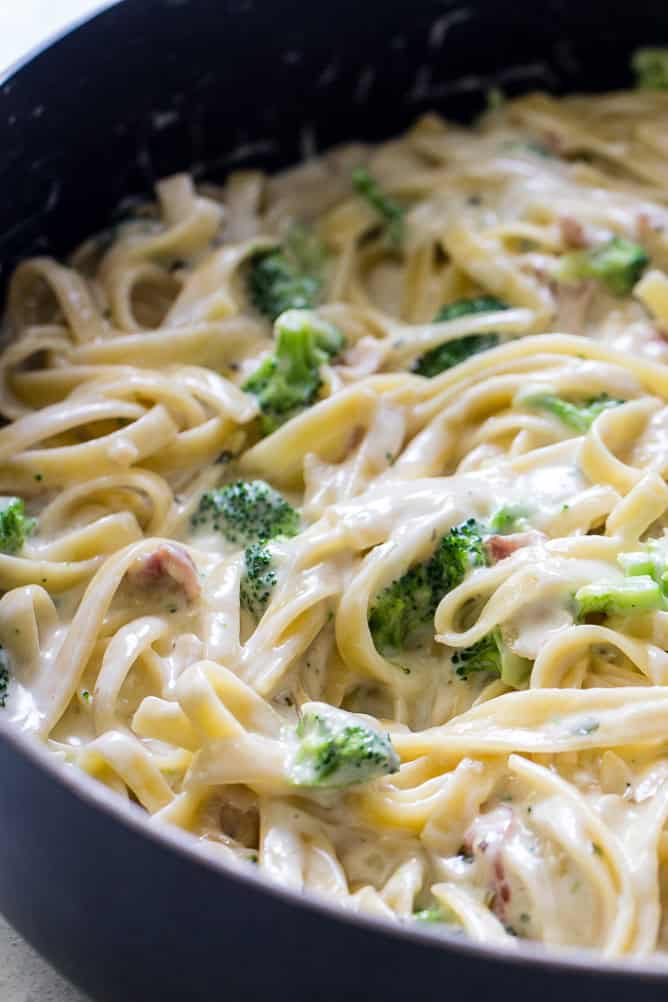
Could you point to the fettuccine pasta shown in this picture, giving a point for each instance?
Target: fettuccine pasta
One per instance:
(349, 548)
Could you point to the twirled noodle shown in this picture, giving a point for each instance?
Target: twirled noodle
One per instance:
(497, 378)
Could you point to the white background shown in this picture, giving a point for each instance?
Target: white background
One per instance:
(24, 23)
(25, 977)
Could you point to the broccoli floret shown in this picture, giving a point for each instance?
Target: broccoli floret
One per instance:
(336, 748)
(651, 68)
(509, 518)
(579, 417)
(15, 526)
(247, 511)
(479, 657)
(429, 915)
(638, 593)
(390, 211)
(258, 579)
(289, 277)
(618, 264)
(288, 380)
(4, 677)
(491, 654)
(467, 307)
(402, 610)
(277, 286)
(444, 356)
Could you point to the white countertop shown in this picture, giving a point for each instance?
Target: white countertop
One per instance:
(24, 976)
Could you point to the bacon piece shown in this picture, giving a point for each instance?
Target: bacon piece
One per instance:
(168, 561)
(485, 840)
(553, 141)
(500, 547)
(572, 233)
(646, 227)
(573, 303)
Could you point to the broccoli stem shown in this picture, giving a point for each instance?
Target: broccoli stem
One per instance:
(639, 593)
(390, 211)
(579, 417)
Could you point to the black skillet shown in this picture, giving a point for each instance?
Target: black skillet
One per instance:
(128, 912)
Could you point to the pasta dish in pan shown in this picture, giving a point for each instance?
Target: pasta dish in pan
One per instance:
(335, 519)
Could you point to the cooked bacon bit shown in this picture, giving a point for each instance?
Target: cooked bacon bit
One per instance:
(487, 836)
(355, 438)
(573, 303)
(572, 233)
(500, 547)
(171, 561)
(646, 228)
(502, 896)
(553, 142)
(643, 225)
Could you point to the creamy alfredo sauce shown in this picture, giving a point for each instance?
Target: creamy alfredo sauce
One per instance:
(420, 667)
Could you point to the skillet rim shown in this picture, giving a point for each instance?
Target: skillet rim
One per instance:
(94, 794)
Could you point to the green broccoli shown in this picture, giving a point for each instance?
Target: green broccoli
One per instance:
(288, 380)
(651, 68)
(258, 580)
(618, 264)
(638, 593)
(509, 518)
(579, 417)
(15, 526)
(247, 511)
(429, 915)
(335, 748)
(287, 278)
(390, 211)
(644, 588)
(491, 654)
(652, 561)
(4, 677)
(642, 562)
(401, 611)
(444, 356)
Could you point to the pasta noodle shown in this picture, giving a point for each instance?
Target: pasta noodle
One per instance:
(438, 691)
